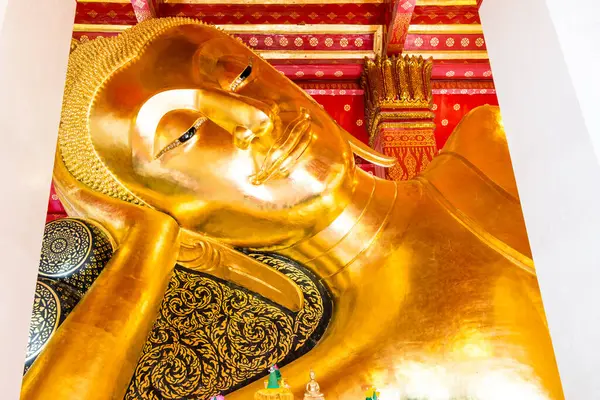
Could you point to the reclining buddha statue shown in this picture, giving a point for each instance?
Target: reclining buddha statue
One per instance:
(185, 147)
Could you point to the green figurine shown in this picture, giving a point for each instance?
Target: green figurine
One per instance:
(274, 377)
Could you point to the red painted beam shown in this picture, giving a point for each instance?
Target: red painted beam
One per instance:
(402, 12)
(143, 9)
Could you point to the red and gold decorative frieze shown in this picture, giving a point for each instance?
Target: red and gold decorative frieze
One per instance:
(321, 72)
(446, 15)
(398, 112)
(105, 13)
(444, 42)
(465, 70)
(454, 84)
(85, 36)
(358, 13)
(291, 45)
(308, 41)
(334, 89)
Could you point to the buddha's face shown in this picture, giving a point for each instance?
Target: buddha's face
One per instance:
(202, 129)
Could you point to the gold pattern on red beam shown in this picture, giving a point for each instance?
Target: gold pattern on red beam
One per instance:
(105, 13)
(277, 2)
(401, 16)
(292, 14)
(446, 15)
(420, 42)
(446, 3)
(463, 91)
(445, 29)
(278, 42)
(300, 42)
(318, 72)
(462, 71)
(452, 84)
(450, 55)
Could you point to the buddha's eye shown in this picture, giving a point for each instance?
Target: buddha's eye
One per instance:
(187, 135)
(242, 77)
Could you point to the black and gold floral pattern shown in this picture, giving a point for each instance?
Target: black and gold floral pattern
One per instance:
(53, 301)
(65, 247)
(74, 251)
(44, 319)
(212, 336)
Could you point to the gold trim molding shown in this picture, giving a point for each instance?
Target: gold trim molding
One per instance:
(104, 1)
(376, 30)
(450, 55)
(416, 29)
(446, 3)
(308, 28)
(263, 2)
(315, 55)
(99, 28)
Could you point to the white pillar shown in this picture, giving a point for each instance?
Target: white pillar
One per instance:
(34, 47)
(548, 88)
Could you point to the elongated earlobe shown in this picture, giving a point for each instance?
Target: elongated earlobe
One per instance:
(206, 255)
(367, 153)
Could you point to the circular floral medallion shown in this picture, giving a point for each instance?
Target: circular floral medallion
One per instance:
(44, 319)
(66, 246)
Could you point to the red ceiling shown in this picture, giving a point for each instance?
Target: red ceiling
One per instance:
(458, 53)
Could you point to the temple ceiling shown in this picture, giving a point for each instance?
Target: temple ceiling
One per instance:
(316, 40)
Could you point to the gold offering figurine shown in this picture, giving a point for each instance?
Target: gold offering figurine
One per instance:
(275, 387)
(313, 391)
(184, 145)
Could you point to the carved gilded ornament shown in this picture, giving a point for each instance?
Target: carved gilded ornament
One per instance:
(396, 88)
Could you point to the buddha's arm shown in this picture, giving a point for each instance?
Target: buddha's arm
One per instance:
(94, 352)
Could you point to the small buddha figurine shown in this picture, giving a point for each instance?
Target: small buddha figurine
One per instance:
(313, 391)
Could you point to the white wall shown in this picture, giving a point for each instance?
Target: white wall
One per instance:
(34, 46)
(3, 4)
(548, 89)
(577, 23)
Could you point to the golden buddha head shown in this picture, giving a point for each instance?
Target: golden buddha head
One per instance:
(183, 118)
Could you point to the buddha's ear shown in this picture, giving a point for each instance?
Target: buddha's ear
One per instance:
(207, 255)
(367, 153)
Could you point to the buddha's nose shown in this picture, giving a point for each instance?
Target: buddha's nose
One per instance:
(244, 117)
(244, 135)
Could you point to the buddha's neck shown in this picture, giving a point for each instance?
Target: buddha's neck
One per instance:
(358, 229)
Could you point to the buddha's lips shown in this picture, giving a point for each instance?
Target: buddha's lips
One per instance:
(294, 144)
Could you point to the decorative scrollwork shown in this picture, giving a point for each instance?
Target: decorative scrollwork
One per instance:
(308, 318)
(212, 336)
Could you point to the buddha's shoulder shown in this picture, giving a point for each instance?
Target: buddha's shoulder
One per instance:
(480, 138)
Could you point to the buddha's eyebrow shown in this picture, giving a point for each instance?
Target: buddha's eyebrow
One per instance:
(242, 76)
